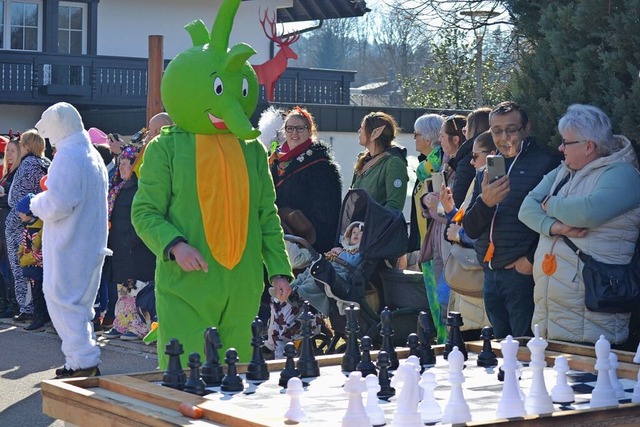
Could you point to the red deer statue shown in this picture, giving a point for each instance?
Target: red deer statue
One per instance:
(269, 72)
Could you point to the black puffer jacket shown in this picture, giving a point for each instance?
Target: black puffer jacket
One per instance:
(312, 183)
(512, 239)
(465, 172)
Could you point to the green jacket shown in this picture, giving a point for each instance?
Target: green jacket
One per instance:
(385, 181)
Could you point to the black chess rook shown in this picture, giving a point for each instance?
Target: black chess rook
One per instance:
(454, 339)
(174, 376)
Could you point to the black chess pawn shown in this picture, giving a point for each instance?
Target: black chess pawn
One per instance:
(487, 357)
(454, 339)
(426, 331)
(232, 382)
(307, 363)
(365, 365)
(257, 369)
(212, 371)
(174, 376)
(386, 391)
(413, 342)
(195, 384)
(351, 355)
(289, 370)
(386, 332)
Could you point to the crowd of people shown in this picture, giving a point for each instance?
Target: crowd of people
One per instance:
(513, 222)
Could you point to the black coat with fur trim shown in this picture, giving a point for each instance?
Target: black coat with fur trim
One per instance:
(312, 183)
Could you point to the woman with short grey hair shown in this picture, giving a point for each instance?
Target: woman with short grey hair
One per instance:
(593, 198)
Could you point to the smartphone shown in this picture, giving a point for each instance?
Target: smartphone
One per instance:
(437, 179)
(495, 167)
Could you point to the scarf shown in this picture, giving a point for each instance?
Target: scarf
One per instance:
(283, 155)
(432, 164)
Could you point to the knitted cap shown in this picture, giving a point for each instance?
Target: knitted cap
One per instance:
(24, 205)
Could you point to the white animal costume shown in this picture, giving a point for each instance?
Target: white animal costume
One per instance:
(74, 240)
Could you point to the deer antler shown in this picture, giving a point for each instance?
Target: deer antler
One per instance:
(273, 30)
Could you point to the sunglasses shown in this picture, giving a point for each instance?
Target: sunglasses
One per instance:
(476, 154)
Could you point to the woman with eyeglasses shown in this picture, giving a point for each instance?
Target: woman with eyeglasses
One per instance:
(593, 199)
(307, 177)
(381, 169)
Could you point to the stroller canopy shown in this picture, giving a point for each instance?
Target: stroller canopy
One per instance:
(385, 230)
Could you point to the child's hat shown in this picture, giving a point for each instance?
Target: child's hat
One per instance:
(24, 205)
(98, 137)
(130, 152)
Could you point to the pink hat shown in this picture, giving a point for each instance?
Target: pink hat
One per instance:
(98, 137)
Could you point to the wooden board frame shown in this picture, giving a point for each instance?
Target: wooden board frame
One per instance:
(137, 399)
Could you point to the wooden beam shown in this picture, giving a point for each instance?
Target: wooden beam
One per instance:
(154, 77)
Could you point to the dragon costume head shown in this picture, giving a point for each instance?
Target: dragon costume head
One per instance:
(210, 89)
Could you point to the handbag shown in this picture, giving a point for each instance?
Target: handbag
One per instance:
(463, 272)
(609, 288)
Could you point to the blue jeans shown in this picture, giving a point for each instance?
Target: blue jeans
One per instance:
(508, 300)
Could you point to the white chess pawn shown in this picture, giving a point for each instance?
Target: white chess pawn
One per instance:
(635, 398)
(539, 400)
(374, 411)
(457, 409)
(430, 410)
(356, 416)
(510, 404)
(294, 391)
(613, 375)
(603, 394)
(562, 392)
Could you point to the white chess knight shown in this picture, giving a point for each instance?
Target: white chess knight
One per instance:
(603, 394)
(356, 416)
(562, 392)
(538, 401)
(294, 391)
(510, 404)
(406, 414)
(457, 409)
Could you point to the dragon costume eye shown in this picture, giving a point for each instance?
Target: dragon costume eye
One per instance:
(245, 87)
(218, 87)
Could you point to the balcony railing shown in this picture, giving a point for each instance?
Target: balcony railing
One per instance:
(106, 81)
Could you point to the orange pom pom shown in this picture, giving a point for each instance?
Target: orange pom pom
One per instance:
(489, 254)
(458, 216)
(43, 182)
(549, 264)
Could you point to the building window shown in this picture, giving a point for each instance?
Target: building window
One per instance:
(20, 25)
(72, 18)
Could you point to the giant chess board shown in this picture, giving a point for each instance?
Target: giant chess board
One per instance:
(139, 399)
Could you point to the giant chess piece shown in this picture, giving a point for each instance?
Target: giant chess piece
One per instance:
(413, 343)
(487, 357)
(294, 391)
(454, 339)
(289, 370)
(212, 371)
(174, 376)
(510, 404)
(538, 401)
(195, 384)
(351, 355)
(307, 363)
(232, 382)
(386, 391)
(366, 366)
(426, 332)
(356, 415)
(386, 332)
(603, 394)
(562, 392)
(257, 369)
(457, 410)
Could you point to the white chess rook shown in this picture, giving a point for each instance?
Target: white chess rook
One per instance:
(603, 394)
(510, 404)
(539, 401)
(457, 409)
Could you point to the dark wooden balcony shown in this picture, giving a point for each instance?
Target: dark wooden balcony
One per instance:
(116, 82)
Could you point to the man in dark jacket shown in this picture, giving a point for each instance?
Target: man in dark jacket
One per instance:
(505, 246)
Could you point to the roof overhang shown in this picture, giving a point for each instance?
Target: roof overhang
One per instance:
(310, 10)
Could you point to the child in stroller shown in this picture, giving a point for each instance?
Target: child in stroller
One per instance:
(335, 268)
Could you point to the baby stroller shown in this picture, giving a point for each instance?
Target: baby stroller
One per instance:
(384, 238)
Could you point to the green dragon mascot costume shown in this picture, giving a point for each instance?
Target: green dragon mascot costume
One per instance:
(205, 182)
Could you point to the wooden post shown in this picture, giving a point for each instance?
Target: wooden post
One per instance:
(154, 76)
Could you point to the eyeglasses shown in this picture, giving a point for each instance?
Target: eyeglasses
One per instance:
(453, 119)
(565, 143)
(299, 129)
(476, 154)
(510, 131)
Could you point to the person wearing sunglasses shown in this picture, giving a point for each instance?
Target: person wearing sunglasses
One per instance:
(298, 167)
(593, 198)
(505, 246)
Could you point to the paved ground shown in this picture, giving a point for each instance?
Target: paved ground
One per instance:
(26, 358)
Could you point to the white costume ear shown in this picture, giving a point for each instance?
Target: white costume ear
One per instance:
(59, 121)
